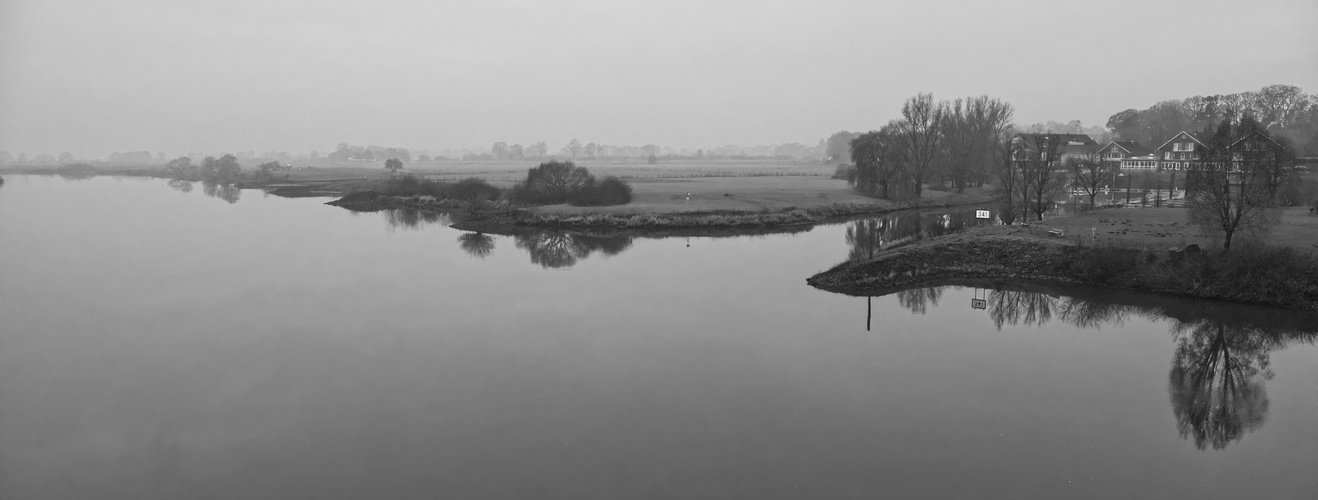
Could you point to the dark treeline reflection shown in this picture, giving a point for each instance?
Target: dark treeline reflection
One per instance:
(1222, 356)
(867, 237)
(1216, 380)
(226, 192)
(180, 185)
(561, 249)
(551, 249)
(408, 219)
(476, 245)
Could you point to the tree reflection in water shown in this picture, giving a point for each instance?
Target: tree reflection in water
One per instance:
(918, 300)
(409, 218)
(1216, 381)
(561, 249)
(477, 245)
(181, 185)
(867, 237)
(1222, 356)
(226, 192)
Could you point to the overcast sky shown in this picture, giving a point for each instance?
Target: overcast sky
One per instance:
(91, 77)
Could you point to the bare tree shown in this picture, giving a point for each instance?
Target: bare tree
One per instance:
(1010, 181)
(1041, 170)
(573, 148)
(1235, 184)
(877, 156)
(1090, 173)
(971, 129)
(920, 132)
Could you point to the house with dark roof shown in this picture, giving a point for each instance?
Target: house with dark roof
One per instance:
(1181, 152)
(1031, 147)
(1116, 151)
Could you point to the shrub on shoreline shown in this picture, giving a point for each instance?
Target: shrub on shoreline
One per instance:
(555, 182)
(610, 191)
(466, 189)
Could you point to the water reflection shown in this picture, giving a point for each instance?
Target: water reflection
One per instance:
(226, 192)
(1222, 356)
(1216, 381)
(410, 218)
(918, 300)
(561, 249)
(180, 185)
(477, 245)
(866, 237)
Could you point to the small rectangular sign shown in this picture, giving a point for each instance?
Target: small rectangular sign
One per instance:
(979, 303)
(981, 214)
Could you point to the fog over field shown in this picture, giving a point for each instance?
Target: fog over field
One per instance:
(92, 77)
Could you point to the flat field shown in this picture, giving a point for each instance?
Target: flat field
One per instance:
(1168, 227)
(666, 187)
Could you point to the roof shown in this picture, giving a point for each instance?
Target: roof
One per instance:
(1253, 133)
(1133, 148)
(1178, 134)
(1070, 143)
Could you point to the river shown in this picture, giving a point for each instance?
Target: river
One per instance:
(180, 341)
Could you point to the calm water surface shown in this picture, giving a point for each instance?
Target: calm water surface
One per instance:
(204, 342)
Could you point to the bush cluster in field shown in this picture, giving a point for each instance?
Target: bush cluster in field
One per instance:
(797, 216)
(556, 182)
(466, 189)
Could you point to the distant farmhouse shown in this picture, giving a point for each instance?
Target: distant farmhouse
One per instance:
(1182, 152)
(1052, 148)
(1128, 155)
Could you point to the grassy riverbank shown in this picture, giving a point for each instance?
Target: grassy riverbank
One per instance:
(495, 217)
(1282, 276)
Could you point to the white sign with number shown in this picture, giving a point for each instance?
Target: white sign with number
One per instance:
(981, 214)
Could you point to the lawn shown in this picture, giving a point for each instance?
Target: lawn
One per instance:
(1167, 227)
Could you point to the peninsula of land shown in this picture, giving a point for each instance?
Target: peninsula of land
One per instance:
(1151, 250)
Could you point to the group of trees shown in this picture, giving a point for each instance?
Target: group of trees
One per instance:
(576, 150)
(1284, 110)
(555, 182)
(956, 142)
(224, 169)
(346, 152)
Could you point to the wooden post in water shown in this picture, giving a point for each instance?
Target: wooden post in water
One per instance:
(869, 311)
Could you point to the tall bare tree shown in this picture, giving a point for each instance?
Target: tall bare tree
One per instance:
(920, 133)
(878, 160)
(1235, 186)
(1090, 173)
(1010, 180)
(971, 129)
(1041, 169)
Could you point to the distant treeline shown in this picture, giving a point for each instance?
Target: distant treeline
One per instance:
(1285, 111)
